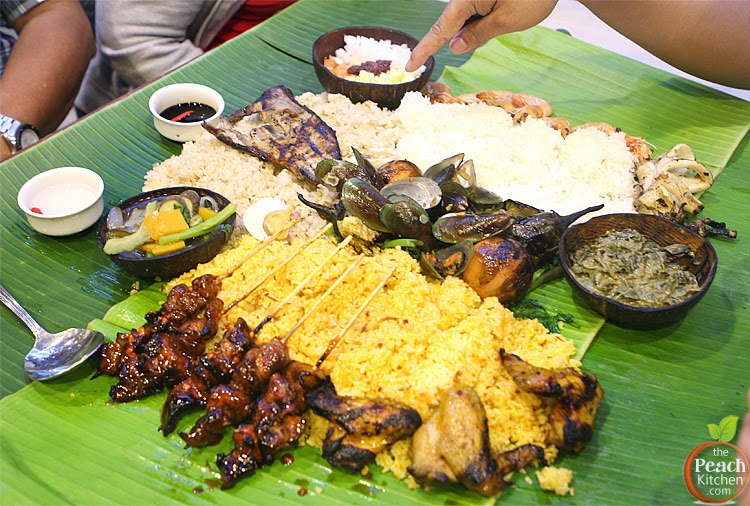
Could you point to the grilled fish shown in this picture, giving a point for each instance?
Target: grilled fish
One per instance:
(276, 128)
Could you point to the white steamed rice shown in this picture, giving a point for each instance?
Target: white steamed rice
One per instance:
(530, 162)
(359, 49)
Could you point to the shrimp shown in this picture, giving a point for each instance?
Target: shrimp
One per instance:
(562, 125)
(636, 145)
(438, 93)
(520, 105)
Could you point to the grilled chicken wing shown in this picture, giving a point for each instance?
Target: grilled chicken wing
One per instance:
(575, 394)
(360, 428)
(454, 446)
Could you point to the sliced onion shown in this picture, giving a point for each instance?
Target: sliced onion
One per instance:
(115, 219)
(192, 201)
(210, 201)
(136, 217)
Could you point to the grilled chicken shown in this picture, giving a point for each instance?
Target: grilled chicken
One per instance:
(278, 129)
(575, 396)
(454, 446)
(360, 428)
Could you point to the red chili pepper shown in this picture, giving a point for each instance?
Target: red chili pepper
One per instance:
(36, 210)
(183, 115)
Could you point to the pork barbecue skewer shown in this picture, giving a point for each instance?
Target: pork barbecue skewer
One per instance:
(217, 367)
(359, 428)
(230, 404)
(160, 353)
(276, 269)
(210, 370)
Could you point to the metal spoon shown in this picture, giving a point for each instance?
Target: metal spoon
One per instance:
(53, 354)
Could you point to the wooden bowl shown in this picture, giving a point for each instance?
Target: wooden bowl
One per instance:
(385, 95)
(170, 265)
(664, 233)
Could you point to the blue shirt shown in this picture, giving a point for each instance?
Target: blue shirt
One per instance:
(10, 11)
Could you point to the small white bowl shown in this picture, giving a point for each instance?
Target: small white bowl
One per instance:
(69, 198)
(174, 94)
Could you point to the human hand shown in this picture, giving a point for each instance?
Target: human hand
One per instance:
(470, 23)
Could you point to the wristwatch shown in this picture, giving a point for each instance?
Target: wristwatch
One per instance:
(18, 135)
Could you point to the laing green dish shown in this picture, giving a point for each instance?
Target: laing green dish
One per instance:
(629, 268)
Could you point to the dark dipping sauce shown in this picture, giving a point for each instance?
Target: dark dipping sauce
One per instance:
(188, 112)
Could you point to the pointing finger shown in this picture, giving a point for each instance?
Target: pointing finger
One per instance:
(445, 28)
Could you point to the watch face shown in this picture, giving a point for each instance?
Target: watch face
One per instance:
(28, 137)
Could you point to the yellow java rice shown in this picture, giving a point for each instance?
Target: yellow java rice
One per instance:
(555, 479)
(416, 338)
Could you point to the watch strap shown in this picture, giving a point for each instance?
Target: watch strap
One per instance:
(11, 128)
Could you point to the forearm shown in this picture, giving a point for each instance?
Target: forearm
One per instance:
(39, 83)
(705, 38)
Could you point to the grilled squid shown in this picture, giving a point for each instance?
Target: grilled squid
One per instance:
(669, 184)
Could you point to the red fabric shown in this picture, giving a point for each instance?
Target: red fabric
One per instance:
(250, 14)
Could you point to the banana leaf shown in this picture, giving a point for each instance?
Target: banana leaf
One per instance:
(62, 443)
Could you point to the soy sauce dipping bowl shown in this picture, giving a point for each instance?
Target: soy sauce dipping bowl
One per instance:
(663, 232)
(385, 95)
(170, 265)
(180, 93)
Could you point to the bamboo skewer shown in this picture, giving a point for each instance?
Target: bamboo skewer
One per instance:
(258, 248)
(276, 269)
(359, 311)
(302, 284)
(320, 299)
